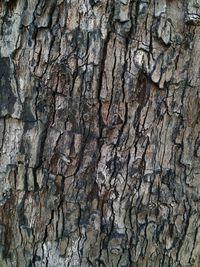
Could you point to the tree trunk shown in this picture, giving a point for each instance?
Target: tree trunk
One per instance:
(100, 142)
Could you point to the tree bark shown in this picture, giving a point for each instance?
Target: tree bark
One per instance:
(100, 141)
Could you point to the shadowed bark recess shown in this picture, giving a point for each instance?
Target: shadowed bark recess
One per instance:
(99, 133)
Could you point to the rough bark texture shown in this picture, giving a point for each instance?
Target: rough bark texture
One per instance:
(100, 142)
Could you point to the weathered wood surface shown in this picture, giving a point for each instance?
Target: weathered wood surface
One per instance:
(99, 119)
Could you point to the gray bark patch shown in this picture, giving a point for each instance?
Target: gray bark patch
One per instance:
(7, 98)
